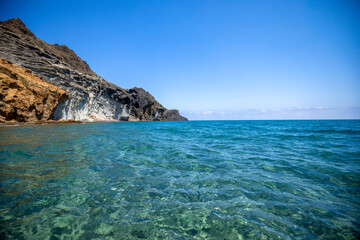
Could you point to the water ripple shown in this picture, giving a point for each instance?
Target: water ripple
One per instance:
(181, 180)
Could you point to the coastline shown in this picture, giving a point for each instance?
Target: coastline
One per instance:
(61, 121)
(14, 123)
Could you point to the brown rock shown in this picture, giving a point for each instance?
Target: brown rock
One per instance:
(26, 97)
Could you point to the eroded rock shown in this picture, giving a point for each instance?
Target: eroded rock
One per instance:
(26, 97)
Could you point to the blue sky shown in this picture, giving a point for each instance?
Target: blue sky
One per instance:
(255, 59)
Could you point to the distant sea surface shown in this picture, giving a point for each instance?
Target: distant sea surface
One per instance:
(181, 180)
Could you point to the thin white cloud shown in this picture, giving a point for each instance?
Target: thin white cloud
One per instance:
(279, 113)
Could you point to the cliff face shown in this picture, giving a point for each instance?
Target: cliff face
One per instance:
(26, 97)
(90, 96)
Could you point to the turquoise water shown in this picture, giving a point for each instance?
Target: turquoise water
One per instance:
(181, 180)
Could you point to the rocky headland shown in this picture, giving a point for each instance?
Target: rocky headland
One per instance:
(91, 98)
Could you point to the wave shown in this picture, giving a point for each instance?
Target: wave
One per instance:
(338, 131)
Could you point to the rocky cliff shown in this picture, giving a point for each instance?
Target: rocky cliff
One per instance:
(90, 96)
(26, 97)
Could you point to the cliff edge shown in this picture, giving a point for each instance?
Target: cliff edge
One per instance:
(91, 98)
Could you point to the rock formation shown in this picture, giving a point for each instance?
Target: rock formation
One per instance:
(90, 96)
(26, 97)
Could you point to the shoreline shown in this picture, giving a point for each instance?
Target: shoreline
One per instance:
(61, 121)
(14, 123)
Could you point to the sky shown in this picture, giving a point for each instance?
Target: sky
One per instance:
(256, 59)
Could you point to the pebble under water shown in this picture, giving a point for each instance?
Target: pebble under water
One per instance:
(181, 180)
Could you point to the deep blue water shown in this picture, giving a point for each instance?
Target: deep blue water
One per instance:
(181, 180)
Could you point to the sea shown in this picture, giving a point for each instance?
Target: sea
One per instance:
(181, 180)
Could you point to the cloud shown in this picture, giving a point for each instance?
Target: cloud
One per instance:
(279, 113)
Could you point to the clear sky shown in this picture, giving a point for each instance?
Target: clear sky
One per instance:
(256, 59)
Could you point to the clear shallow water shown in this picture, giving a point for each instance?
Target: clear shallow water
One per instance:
(181, 180)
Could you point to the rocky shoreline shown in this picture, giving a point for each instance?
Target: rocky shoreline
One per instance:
(14, 123)
(90, 97)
